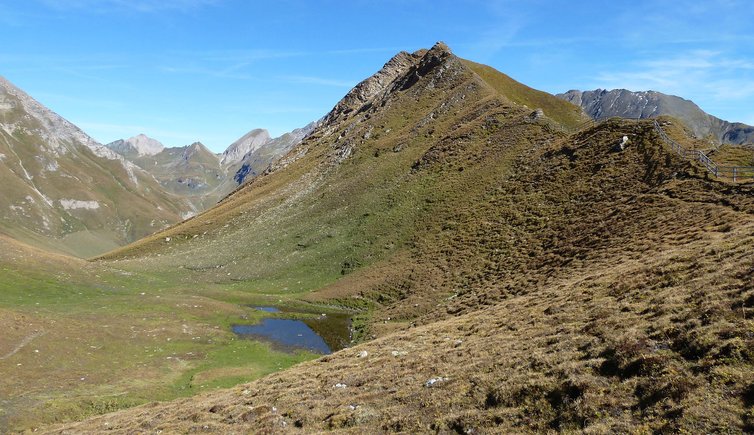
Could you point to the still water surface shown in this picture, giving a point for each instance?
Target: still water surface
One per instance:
(322, 334)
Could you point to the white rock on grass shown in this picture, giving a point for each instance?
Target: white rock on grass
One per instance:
(434, 381)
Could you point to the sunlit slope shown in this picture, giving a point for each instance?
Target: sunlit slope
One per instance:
(81, 339)
(353, 193)
(565, 113)
(520, 279)
(63, 191)
(586, 289)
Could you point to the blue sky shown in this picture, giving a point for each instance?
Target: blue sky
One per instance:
(211, 70)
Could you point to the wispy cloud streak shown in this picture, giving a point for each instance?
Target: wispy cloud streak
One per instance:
(709, 73)
(140, 6)
(320, 81)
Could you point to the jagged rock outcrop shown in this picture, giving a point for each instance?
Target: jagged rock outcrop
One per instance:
(357, 97)
(602, 103)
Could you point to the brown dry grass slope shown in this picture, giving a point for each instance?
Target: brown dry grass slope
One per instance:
(519, 279)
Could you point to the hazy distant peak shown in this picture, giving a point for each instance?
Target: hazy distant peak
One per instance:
(145, 145)
(246, 144)
(603, 103)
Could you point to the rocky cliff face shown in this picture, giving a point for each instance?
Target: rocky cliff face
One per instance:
(602, 103)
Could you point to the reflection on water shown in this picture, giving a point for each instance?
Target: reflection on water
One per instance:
(322, 334)
(268, 309)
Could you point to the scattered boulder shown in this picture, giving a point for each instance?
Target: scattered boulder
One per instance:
(434, 381)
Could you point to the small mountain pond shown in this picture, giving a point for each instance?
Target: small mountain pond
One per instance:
(293, 330)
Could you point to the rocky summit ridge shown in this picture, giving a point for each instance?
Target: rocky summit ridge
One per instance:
(140, 145)
(603, 103)
(51, 127)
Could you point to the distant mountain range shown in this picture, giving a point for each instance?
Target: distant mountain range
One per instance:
(192, 172)
(198, 175)
(64, 191)
(602, 103)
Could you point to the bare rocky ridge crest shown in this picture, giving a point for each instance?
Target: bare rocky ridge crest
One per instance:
(602, 103)
(367, 89)
(246, 144)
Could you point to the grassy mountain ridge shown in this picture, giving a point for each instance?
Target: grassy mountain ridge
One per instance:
(519, 93)
(511, 277)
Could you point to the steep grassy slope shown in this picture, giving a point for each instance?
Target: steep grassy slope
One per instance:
(565, 114)
(64, 191)
(516, 278)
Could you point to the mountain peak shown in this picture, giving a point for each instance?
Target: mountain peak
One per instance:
(246, 144)
(371, 86)
(440, 47)
(603, 103)
(145, 145)
(196, 149)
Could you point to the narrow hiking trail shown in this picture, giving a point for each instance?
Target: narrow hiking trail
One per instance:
(28, 339)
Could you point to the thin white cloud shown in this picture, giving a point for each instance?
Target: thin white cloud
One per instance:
(140, 6)
(320, 81)
(224, 73)
(705, 73)
(96, 103)
(266, 110)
